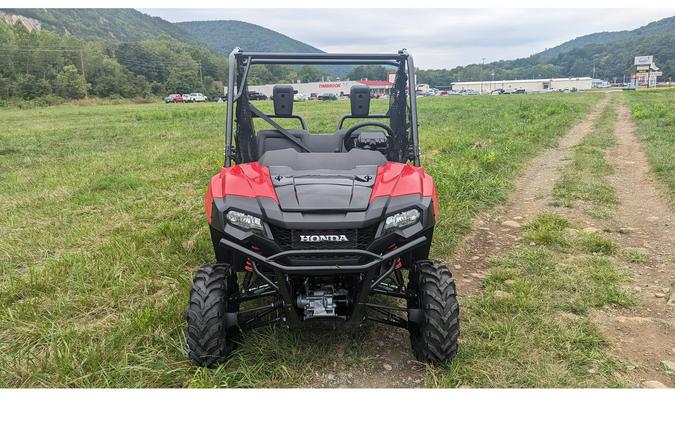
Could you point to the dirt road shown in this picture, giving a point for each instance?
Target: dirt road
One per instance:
(645, 334)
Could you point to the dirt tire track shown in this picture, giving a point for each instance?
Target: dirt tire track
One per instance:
(495, 231)
(645, 334)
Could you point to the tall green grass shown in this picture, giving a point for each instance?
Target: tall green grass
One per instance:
(654, 113)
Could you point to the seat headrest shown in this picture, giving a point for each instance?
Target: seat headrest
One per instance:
(359, 96)
(283, 100)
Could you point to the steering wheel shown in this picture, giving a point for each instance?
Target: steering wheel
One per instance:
(351, 130)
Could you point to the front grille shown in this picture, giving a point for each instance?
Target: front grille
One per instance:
(332, 259)
(289, 239)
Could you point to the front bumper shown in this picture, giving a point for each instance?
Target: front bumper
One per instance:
(372, 260)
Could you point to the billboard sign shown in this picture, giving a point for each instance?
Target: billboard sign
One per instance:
(643, 60)
(332, 85)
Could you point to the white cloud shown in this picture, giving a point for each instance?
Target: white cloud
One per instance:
(438, 38)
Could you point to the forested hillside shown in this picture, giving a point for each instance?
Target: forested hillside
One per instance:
(224, 35)
(118, 24)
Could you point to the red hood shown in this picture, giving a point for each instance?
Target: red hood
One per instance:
(252, 180)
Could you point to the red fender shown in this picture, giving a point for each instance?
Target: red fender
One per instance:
(397, 179)
(250, 180)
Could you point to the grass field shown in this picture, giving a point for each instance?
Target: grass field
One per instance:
(654, 112)
(101, 227)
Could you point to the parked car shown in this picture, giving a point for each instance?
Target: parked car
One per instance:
(217, 99)
(429, 93)
(255, 95)
(328, 97)
(299, 97)
(497, 92)
(313, 96)
(195, 97)
(173, 98)
(519, 91)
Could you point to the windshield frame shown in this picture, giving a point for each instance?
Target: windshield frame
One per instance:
(240, 59)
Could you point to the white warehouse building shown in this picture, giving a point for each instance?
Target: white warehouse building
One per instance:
(337, 88)
(529, 85)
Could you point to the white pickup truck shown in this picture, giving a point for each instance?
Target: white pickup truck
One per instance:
(195, 97)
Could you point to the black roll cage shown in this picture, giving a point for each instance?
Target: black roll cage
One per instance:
(401, 60)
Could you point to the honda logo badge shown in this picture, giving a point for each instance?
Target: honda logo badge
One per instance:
(323, 238)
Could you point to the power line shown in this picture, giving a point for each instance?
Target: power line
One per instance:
(39, 49)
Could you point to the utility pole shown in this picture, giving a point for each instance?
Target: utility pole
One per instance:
(481, 75)
(201, 76)
(593, 70)
(83, 74)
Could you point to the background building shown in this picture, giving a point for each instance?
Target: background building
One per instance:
(377, 88)
(530, 85)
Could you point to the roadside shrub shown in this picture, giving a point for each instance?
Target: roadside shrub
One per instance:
(70, 84)
(29, 87)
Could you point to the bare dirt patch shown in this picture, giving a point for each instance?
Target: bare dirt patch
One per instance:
(389, 364)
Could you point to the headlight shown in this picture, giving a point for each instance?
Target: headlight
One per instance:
(244, 221)
(401, 220)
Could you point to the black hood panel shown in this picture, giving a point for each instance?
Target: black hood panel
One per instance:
(323, 190)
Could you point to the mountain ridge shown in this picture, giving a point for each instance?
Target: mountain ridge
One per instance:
(221, 36)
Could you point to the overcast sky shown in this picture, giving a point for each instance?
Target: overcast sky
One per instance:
(438, 38)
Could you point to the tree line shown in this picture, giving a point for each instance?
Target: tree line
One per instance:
(35, 64)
